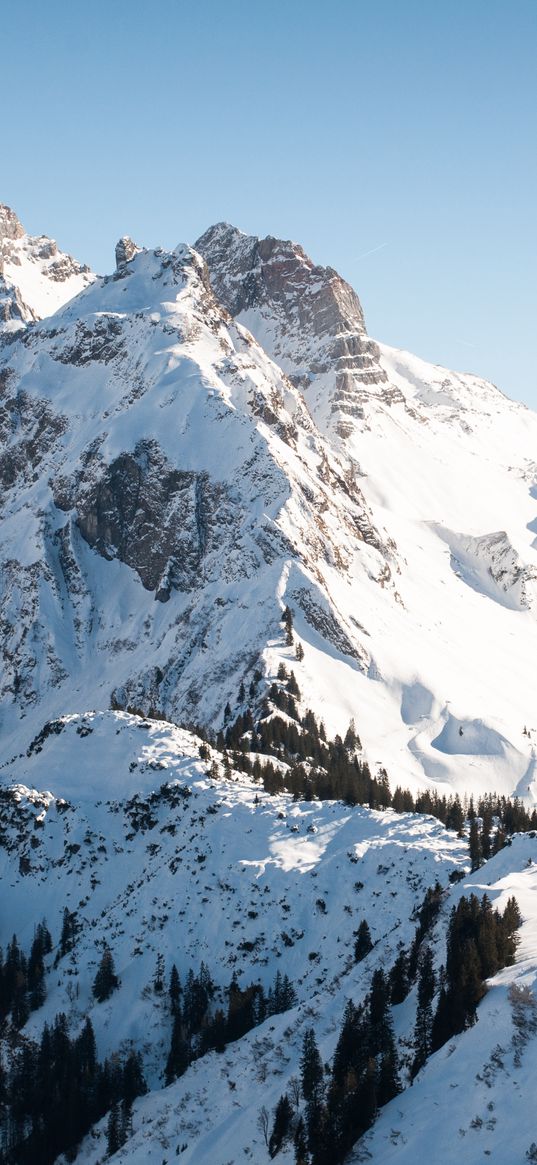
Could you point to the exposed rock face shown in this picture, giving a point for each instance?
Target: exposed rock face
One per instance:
(490, 565)
(14, 314)
(307, 317)
(37, 277)
(159, 520)
(126, 249)
(10, 226)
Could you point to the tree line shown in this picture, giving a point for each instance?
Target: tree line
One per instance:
(333, 1105)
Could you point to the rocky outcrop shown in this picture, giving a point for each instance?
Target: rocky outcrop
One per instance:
(307, 317)
(10, 226)
(37, 277)
(490, 565)
(14, 314)
(126, 249)
(159, 520)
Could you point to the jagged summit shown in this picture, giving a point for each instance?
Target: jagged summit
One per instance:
(126, 249)
(157, 444)
(10, 226)
(307, 317)
(36, 278)
(172, 480)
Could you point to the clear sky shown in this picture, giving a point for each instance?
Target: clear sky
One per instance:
(395, 139)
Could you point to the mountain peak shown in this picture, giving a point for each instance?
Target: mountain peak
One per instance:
(126, 249)
(10, 226)
(307, 317)
(37, 277)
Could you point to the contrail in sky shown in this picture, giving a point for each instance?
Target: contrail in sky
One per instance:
(372, 251)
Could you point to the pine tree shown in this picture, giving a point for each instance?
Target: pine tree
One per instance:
(179, 1056)
(175, 991)
(113, 1138)
(311, 1068)
(301, 1143)
(68, 934)
(389, 1084)
(282, 1124)
(133, 1083)
(158, 981)
(351, 741)
(474, 845)
(87, 1050)
(364, 942)
(399, 983)
(36, 973)
(424, 1016)
(106, 980)
(380, 1026)
(455, 816)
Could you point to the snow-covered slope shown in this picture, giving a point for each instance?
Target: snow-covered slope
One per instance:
(35, 277)
(169, 488)
(188, 447)
(473, 1099)
(157, 852)
(447, 466)
(171, 856)
(166, 493)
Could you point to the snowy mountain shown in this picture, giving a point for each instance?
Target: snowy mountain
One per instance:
(35, 277)
(231, 523)
(169, 488)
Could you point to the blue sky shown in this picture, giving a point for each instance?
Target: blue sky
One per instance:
(395, 139)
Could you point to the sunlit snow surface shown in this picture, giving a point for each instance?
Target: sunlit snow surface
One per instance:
(45, 277)
(252, 884)
(439, 597)
(424, 630)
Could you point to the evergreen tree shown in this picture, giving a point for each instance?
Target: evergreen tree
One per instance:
(241, 1010)
(301, 1143)
(282, 1124)
(455, 816)
(106, 980)
(474, 845)
(68, 934)
(175, 991)
(158, 981)
(389, 1084)
(133, 1083)
(480, 941)
(399, 983)
(364, 942)
(380, 1025)
(424, 1016)
(113, 1137)
(36, 969)
(180, 1055)
(311, 1068)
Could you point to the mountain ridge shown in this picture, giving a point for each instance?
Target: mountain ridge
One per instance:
(250, 560)
(370, 514)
